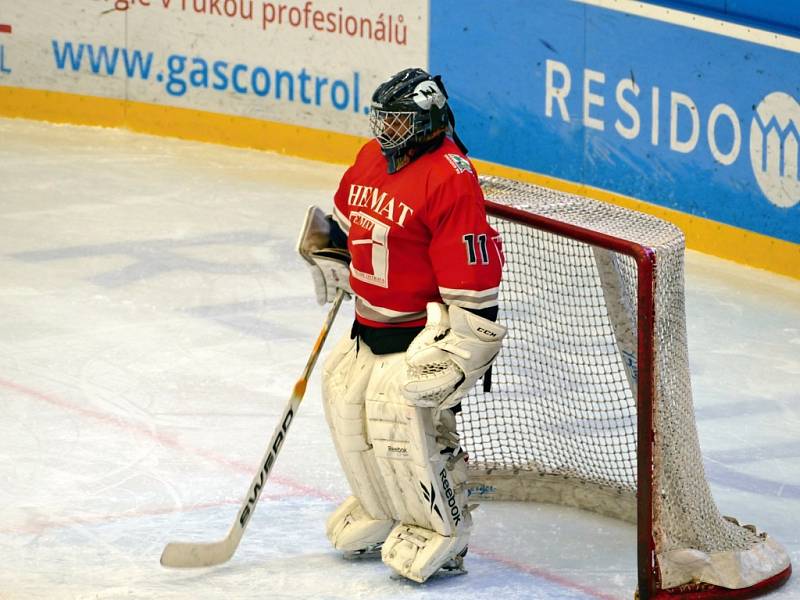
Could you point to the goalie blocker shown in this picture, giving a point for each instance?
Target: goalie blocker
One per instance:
(330, 266)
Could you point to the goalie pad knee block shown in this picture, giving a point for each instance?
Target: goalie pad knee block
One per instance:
(351, 529)
(449, 355)
(345, 377)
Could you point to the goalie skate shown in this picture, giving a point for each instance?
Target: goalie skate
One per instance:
(372, 551)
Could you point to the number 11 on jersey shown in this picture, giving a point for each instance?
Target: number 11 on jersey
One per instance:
(476, 248)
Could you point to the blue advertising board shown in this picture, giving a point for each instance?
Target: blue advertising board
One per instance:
(780, 15)
(681, 117)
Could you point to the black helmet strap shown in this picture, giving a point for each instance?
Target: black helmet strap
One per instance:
(451, 118)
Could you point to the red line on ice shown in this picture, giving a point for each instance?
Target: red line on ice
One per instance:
(37, 526)
(161, 438)
(300, 489)
(541, 574)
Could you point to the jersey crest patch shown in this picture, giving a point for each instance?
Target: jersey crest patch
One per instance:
(460, 164)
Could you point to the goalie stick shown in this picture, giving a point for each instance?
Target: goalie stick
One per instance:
(206, 554)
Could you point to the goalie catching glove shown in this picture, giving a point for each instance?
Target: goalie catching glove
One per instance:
(449, 355)
(330, 267)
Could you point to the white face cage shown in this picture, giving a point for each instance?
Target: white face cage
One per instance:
(391, 129)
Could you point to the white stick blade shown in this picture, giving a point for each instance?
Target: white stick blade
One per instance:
(189, 555)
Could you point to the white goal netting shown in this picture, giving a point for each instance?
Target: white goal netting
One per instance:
(560, 422)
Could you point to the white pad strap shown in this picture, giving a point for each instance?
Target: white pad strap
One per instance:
(330, 267)
(368, 518)
(449, 355)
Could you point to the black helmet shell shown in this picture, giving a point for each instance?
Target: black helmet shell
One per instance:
(408, 110)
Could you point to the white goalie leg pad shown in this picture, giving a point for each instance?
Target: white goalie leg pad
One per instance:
(419, 456)
(366, 518)
(449, 355)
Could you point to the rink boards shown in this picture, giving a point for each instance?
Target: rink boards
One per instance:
(683, 116)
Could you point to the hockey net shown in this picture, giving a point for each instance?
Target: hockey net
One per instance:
(591, 404)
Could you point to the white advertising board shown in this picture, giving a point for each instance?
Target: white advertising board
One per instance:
(308, 63)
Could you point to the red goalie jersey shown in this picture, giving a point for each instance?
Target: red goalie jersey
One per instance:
(416, 236)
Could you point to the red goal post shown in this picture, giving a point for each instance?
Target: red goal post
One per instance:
(590, 404)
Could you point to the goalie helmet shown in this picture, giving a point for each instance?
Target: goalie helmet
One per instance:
(409, 115)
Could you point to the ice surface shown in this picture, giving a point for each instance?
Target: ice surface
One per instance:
(153, 319)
